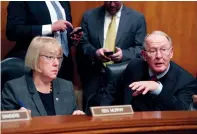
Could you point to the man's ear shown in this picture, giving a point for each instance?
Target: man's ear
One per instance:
(171, 53)
(143, 54)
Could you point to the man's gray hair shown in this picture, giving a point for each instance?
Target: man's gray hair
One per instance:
(157, 33)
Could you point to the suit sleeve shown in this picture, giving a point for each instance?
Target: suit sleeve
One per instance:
(87, 48)
(180, 100)
(67, 9)
(134, 52)
(74, 105)
(8, 100)
(17, 27)
(69, 18)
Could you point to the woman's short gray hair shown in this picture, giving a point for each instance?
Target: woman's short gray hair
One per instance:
(38, 45)
(157, 33)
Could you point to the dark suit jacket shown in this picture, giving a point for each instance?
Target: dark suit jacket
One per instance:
(176, 94)
(25, 20)
(22, 90)
(130, 36)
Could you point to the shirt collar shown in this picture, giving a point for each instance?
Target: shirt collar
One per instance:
(118, 14)
(160, 75)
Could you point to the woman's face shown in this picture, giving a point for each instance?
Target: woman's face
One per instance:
(49, 64)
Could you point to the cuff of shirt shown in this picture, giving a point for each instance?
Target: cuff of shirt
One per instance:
(46, 29)
(158, 90)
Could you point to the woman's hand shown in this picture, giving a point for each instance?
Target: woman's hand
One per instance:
(78, 112)
(22, 108)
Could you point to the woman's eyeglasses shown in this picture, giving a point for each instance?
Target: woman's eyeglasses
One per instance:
(52, 58)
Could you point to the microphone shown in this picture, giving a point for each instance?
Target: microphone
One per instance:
(100, 90)
(90, 97)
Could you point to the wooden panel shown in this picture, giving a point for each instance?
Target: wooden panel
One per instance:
(6, 45)
(183, 122)
(79, 7)
(178, 19)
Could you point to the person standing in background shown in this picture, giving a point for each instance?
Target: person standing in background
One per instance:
(112, 28)
(27, 19)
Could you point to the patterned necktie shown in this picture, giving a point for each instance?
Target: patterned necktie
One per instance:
(63, 34)
(111, 37)
(153, 78)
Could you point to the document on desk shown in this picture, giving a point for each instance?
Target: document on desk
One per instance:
(111, 110)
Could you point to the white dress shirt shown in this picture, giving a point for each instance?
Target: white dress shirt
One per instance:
(46, 29)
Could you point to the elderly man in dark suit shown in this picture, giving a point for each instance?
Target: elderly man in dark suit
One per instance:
(27, 19)
(155, 83)
(113, 33)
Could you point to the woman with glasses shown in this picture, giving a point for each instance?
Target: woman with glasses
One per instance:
(40, 91)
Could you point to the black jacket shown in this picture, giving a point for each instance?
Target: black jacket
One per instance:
(176, 94)
(25, 20)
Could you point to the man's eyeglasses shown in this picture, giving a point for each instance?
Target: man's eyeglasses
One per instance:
(163, 51)
(52, 58)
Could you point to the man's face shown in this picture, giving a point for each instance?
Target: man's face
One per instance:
(112, 6)
(158, 53)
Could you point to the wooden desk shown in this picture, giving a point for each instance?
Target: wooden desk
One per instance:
(141, 122)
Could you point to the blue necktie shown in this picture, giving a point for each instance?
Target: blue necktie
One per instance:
(63, 34)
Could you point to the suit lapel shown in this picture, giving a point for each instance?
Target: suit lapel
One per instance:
(56, 99)
(41, 6)
(169, 79)
(123, 24)
(66, 7)
(35, 95)
(100, 25)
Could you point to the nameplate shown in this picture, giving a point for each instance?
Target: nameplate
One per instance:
(111, 110)
(15, 115)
